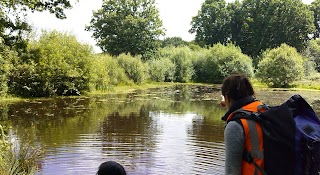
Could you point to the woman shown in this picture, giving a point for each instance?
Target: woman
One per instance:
(243, 138)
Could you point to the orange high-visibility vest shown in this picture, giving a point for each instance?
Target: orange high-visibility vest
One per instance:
(253, 141)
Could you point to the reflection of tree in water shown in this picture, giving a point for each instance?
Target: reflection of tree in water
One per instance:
(130, 136)
(48, 121)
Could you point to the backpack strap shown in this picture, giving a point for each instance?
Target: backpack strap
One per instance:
(248, 121)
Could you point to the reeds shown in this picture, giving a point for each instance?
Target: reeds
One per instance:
(17, 159)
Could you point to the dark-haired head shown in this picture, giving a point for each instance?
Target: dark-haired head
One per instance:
(236, 86)
(111, 168)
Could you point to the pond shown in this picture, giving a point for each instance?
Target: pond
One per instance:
(172, 130)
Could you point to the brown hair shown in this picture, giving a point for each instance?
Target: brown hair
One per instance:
(237, 86)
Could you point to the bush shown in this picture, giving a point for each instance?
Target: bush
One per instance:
(312, 52)
(4, 69)
(60, 65)
(106, 72)
(182, 59)
(280, 66)
(134, 68)
(161, 70)
(26, 82)
(7, 59)
(220, 61)
(201, 64)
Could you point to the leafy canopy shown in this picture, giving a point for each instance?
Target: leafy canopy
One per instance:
(126, 26)
(13, 23)
(315, 7)
(254, 25)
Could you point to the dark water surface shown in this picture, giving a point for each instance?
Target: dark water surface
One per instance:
(159, 131)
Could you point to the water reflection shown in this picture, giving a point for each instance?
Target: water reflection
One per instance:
(174, 130)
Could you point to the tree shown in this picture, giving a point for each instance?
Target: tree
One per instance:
(254, 25)
(280, 66)
(173, 41)
(126, 26)
(312, 52)
(268, 24)
(315, 7)
(211, 23)
(234, 10)
(13, 25)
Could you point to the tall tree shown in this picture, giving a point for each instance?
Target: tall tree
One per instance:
(13, 24)
(315, 7)
(126, 26)
(234, 10)
(254, 25)
(211, 23)
(268, 24)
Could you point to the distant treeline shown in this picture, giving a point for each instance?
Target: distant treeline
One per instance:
(275, 42)
(57, 64)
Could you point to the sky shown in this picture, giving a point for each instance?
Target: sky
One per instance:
(176, 16)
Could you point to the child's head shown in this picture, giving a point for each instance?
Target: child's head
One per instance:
(111, 168)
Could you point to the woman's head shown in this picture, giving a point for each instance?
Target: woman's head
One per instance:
(236, 87)
(111, 168)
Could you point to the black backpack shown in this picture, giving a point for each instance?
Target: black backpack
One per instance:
(291, 137)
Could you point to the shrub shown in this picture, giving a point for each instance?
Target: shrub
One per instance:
(134, 68)
(60, 65)
(161, 70)
(220, 61)
(201, 64)
(4, 69)
(312, 52)
(7, 59)
(280, 66)
(26, 82)
(106, 72)
(182, 59)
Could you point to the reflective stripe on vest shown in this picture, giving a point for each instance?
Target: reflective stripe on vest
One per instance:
(253, 141)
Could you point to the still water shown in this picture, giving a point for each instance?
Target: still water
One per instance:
(173, 130)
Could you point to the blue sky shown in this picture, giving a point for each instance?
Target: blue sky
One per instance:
(176, 16)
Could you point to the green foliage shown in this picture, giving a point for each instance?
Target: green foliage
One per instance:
(13, 24)
(254, 25)
(268, 24)
(106, 72)
(173, 41)
(280, 66)
(220, 61)
(60, 67)
(315, 7)
(161, 70)
(4, 69)
(126, 26)
(312, 52)
(134, 68)
(211, 23)
(182, 59)
(7, 59)
(25, 81)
